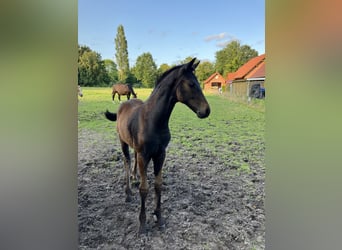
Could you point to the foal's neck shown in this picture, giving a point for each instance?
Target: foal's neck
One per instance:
(160, 105)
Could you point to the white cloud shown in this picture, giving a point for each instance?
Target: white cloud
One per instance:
(224, 43)
(222, 39)
(216, 37)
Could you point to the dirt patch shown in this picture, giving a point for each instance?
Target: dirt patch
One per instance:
(206, 204)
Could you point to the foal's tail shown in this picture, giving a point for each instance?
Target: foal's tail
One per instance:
(110, 116)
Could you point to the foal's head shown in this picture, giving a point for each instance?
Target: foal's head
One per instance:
(189, 90)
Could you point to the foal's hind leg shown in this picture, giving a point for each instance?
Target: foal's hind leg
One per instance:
(134, 170)
(158, 162)
(127, 161)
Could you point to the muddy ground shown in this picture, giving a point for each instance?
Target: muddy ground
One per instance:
(206, 204)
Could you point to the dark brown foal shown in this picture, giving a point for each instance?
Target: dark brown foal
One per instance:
(144, 126)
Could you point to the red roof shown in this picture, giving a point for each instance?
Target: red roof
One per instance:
(245, 69)
(230, 77)
(258, 72)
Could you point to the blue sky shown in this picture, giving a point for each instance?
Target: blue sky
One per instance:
(171, 30)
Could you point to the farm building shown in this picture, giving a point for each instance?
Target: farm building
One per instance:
(214, 82)
(249, 79)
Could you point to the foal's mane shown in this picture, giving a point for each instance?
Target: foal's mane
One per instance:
(165, 74)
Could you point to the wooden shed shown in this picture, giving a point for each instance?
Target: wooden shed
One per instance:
(214, 82)
(240, 83)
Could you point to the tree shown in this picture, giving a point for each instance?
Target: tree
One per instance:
(145, 70)
(204, 70)
(162, 68)
(91, 68)
(132, 80)
(232, 57)
(111, 70)
(121, 54)
(82, 49)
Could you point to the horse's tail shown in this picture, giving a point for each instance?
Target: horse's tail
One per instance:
(110, 116)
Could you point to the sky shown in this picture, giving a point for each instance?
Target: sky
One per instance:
(171, 30)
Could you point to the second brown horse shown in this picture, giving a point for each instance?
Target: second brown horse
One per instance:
(123, 89)
(144, 126)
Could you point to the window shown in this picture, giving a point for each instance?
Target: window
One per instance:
(215, 85)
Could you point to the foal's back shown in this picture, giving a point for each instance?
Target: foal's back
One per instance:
(128, 119)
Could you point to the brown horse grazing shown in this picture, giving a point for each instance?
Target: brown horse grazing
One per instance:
(144, 126)
(123, 89)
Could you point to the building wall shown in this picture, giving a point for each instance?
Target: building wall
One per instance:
(213, 87)
(242, 88)
(238, 89)
(214, 84)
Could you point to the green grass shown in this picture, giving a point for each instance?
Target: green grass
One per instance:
(233, 134)
(95, 102)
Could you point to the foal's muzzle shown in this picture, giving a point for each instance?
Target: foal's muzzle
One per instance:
(203, 113)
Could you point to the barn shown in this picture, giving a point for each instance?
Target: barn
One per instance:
(214, 83)
(249, 79)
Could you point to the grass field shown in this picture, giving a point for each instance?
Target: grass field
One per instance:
(233, 133)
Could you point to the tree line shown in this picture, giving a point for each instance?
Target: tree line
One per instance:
(95, 71)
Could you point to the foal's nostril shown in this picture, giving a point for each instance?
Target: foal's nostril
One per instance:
(203, 114)
(207, 112)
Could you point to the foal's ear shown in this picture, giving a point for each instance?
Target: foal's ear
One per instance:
(192, 65)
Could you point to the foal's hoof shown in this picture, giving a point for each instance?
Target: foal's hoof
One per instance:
(160, 222)
(136, 183)
(142, 229)
(129, 198)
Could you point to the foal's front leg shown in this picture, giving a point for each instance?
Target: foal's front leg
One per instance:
(143, 189)
(158, 162)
